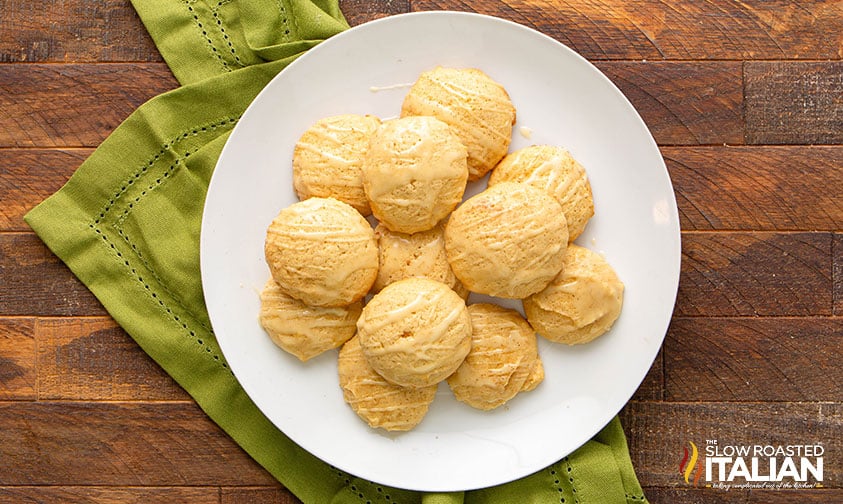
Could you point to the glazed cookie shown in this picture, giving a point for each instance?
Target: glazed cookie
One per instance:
(581, 303)
(415, 332)
(328, 157)
(477, 108)
(322, 252)
(414, 173)
(419, 254)
(503, 356)
(507, 241)
(375, 400)
(554, 170)
(302, 330)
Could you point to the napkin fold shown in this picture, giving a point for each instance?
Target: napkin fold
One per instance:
(127, 224)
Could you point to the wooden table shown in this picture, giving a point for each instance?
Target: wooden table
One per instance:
(745, 100)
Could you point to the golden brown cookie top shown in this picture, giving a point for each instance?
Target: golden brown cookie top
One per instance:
(415, 332)
(477, 108)
(328, 157)
(503, 356)
(414, 173)
(554, 170)
(380, 403)
(580, 304)
(302, 330)
(507, 241)
(322, 252)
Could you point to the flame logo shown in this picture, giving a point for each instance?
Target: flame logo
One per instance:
(691, 462)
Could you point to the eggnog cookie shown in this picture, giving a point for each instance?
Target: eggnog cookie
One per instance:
(507, 241)
(414, 173)
(322, 252)
(415, 332)
(328, 157)
(502, 357)
(581, 303)
(375, 400)
(554, 170)
(302, 330)
(535, 377)
(477, 108)
(419, 254)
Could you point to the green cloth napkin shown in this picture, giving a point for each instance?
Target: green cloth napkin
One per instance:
(127, 224)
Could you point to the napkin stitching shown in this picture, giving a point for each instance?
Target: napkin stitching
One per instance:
(214, 51)
(556, 480)
(221, 28)
(282, 9)
(359, 491)
(170, 144)
(571, 478)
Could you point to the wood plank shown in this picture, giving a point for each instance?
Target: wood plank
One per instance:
(17, 359)
(73, 105)
(94, 359)
(684, 103)
(257, 495)
(36, 282)
(837, 257)
(741, 359)
(119, 444)
(729, 274)
(685, 29)
(652, 386)
(763, 188)
(657, 432)
(359, 11)
(109, 495)
(28, 176)
(790, 102)
(74, 30)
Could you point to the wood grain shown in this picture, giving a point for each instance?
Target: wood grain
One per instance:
(108, 495)
(658, 431)
(685, 29)
(73, 105)
(729, 274)
(94, 359)
(360, 11)
(119, 444)
(257, 495)
(75, 30)
(808, 103)
(837, 258)
(36, 282)
(754, 359)
(684, 103)
(761, 188)
(17, 359)
(28, 176)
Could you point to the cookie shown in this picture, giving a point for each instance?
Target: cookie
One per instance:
(554, 170)
(375, 400)
(507, 241)
(419, 254)
(414, 173)
(415, 332)
(503, 356)
(477, 108)
(580, 304)
(322, 252)
(328, 157)
(302, 330)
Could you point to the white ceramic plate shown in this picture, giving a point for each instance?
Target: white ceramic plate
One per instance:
(560, 99)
